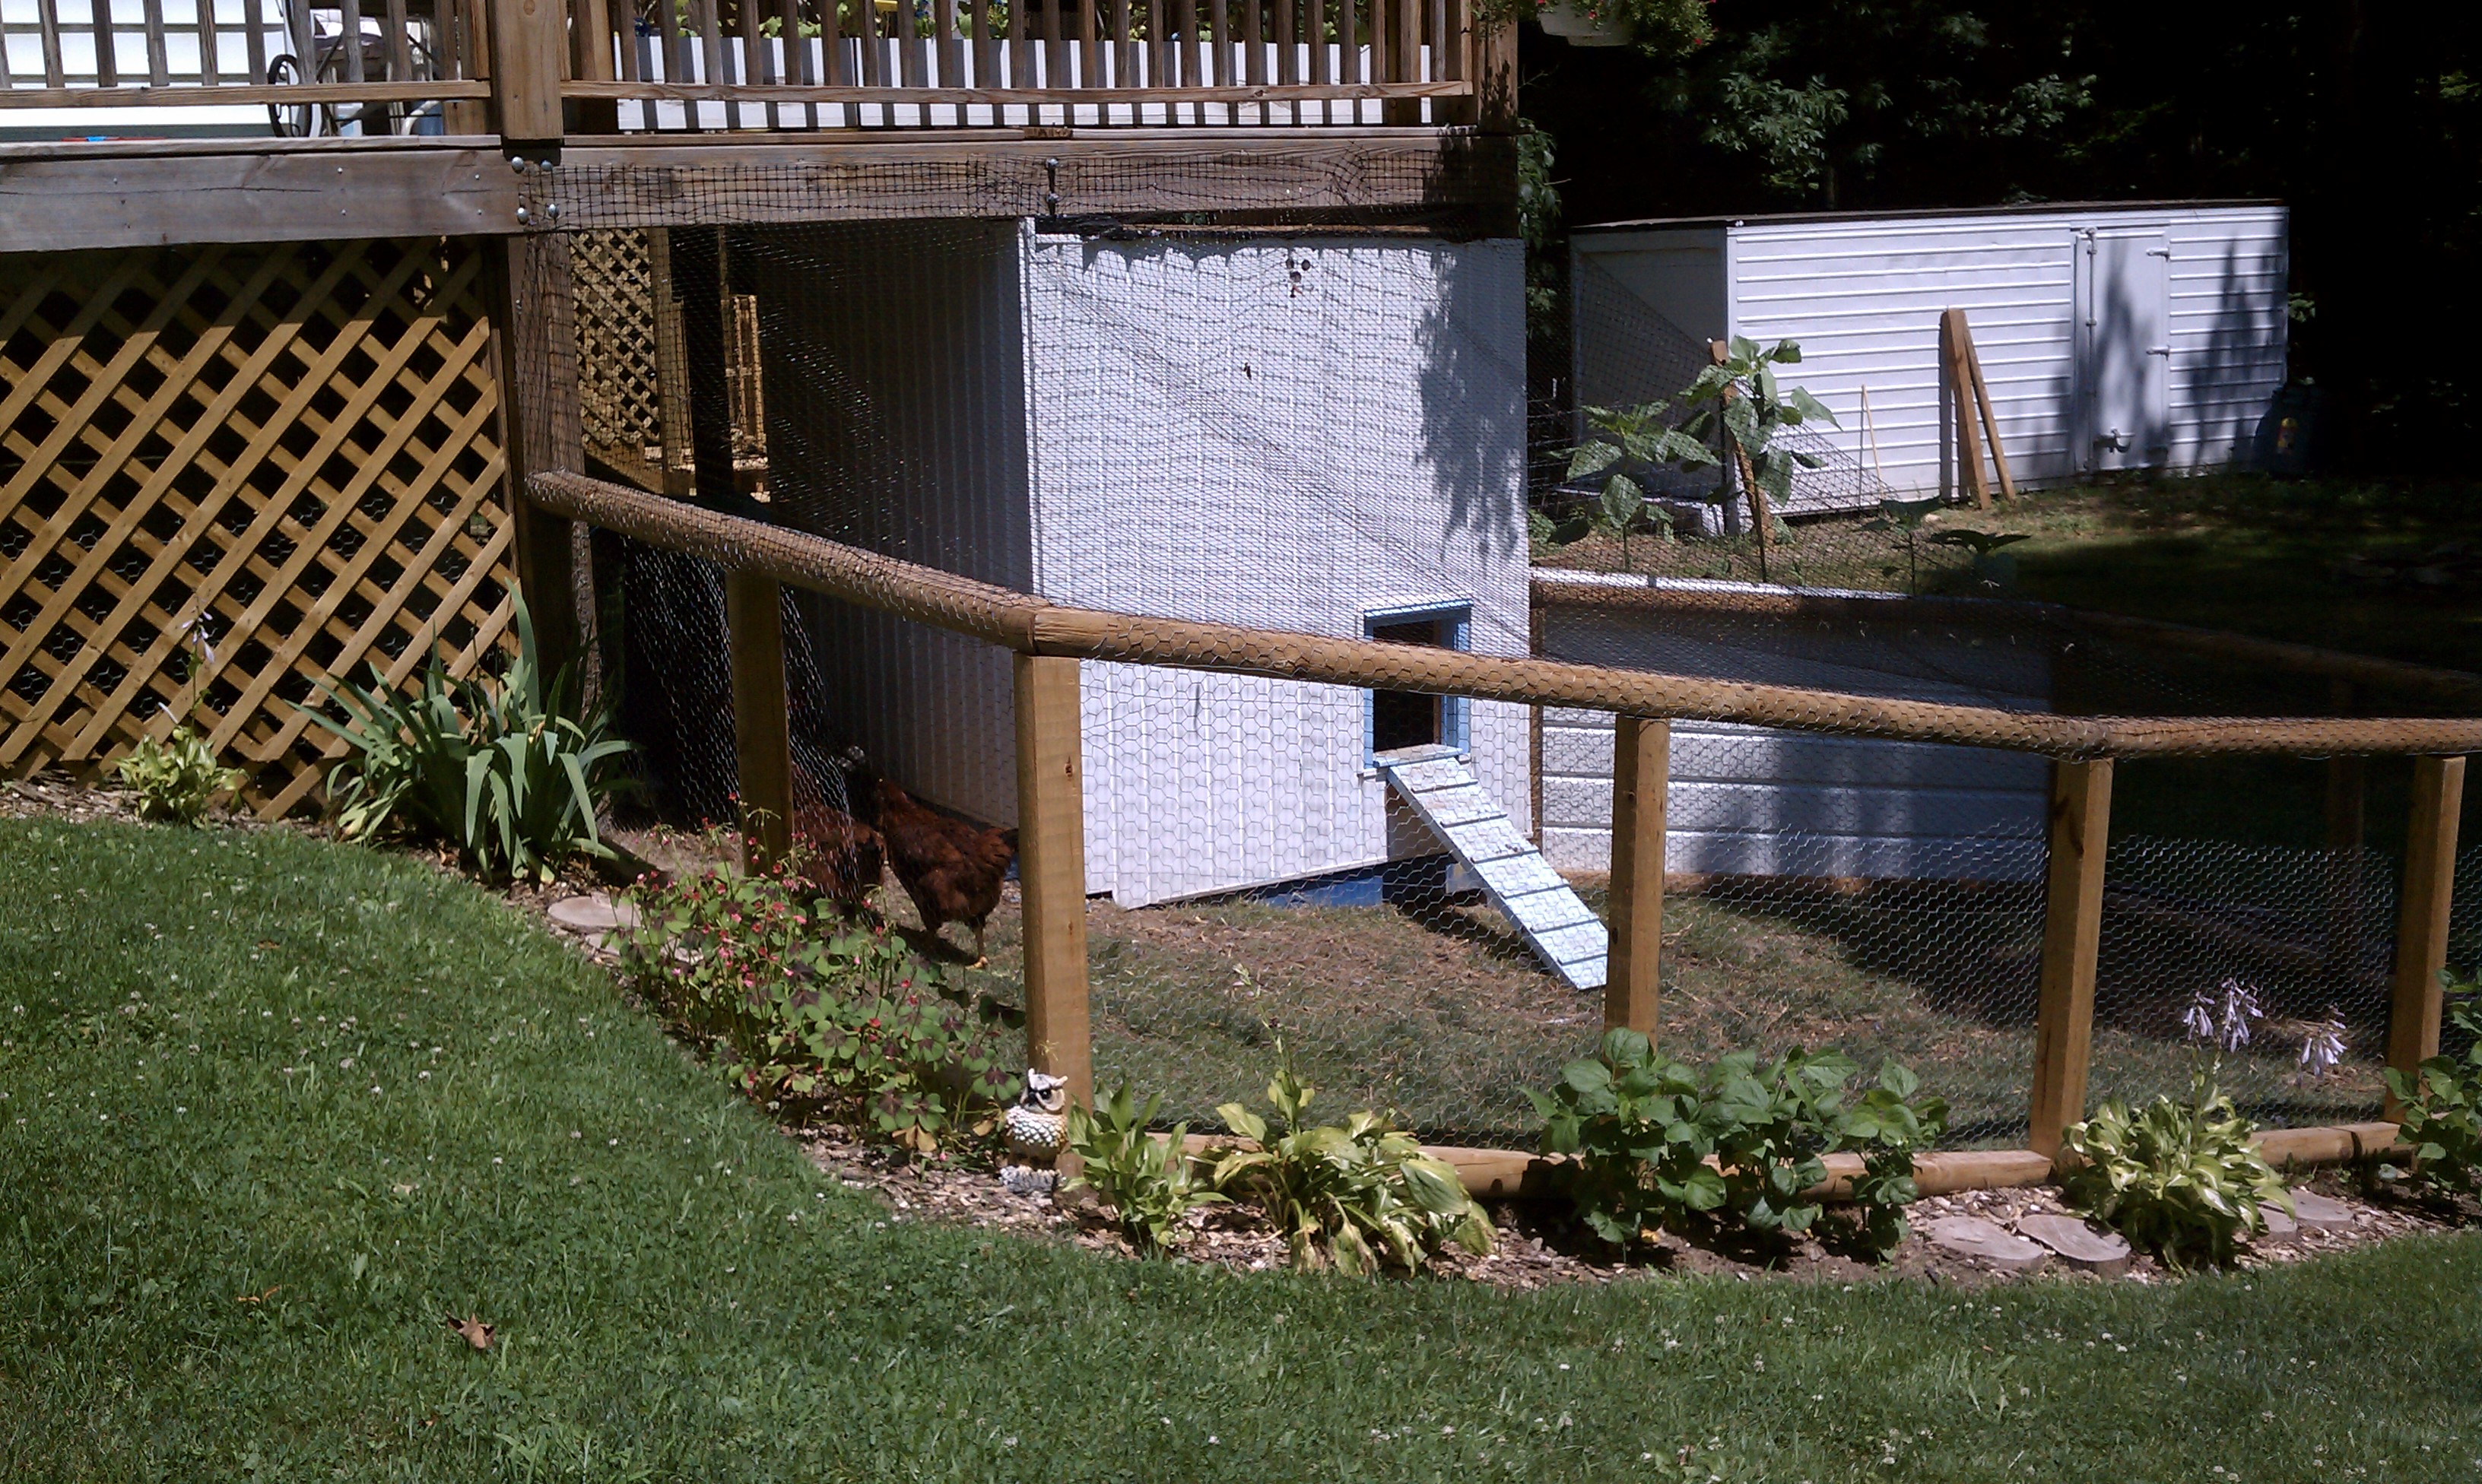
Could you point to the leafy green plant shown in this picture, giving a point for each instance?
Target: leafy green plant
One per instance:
(1992, 567)
(1149, 1182)
(1741, 406)
(176, 778)
(848, 1021)
(2179, 1179)
(1658, 28)
(1356, 1194)
(2443, 1106)
(499, 764)
(1655, 1142)
(1905, 518)
(1626, 446)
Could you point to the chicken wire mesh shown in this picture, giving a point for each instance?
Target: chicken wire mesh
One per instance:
(1324, 432)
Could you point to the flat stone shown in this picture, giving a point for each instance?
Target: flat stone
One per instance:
(1986, 1241)
(2280, 1225)
(593, 914)
(2320, 1213)
(2081, 1244)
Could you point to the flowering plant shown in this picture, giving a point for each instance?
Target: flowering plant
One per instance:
(2443, 1106)
(797, 1007)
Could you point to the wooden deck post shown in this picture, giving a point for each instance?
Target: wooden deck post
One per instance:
(529, 44)
(2422, 909)
(1641, 773)
(536, 326)
(1051, 868)
(2072, 942)
(762, 743)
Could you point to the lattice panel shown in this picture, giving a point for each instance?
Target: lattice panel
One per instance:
(297, 445)
(619, 379)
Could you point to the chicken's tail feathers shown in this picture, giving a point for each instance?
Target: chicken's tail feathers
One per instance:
(1008, 837)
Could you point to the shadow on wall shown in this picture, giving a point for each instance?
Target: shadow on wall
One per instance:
(1472, 384)
(2237, 372)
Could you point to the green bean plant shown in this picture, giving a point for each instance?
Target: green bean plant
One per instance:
(1358, 1195)
(1655, 1143)
(503, 765)
(1148, 1180)
(178, 776)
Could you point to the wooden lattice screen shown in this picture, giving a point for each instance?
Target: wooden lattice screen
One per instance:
(297, 447)
(633, 368)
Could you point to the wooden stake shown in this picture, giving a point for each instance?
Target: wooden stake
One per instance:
(2072, 943)
(1051, 868)
(2421, 923)
(762, 746)
(1990, 413)
(1640, 772)
(1760, 517)
(1953, 339)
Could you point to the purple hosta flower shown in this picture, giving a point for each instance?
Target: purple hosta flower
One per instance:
(2324, 1046)
(2198, 1021)
(2233, 1017)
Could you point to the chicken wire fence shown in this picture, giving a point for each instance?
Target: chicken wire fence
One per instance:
(1325, 432)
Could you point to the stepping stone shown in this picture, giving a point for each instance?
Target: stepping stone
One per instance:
(1986, 1241)
(2319, 1213)
(593, 914)
(2280, 1225)
(2081, 1244)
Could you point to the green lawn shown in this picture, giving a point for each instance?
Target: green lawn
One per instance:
(682, 1296)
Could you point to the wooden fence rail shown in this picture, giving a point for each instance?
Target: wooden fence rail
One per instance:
(1049, 640)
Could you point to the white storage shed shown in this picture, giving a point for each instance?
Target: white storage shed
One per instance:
(1322, 435)
(2112, 336)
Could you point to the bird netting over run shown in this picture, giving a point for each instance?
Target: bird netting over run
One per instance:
(1324, 432)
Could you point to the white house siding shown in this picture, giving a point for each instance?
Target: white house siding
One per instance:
(896, 421)
(1862, 296)
(1755, 801)
(1287, 434)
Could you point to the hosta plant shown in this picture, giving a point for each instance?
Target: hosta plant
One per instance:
(2180, 1179)
(2442, 1106)
(177, 779)
(501, 765)
(1358, 1194)
(1148, 1180)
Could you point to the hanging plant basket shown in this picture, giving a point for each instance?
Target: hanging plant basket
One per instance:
(1569, 21)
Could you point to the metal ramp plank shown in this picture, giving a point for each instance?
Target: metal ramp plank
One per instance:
(1442, 791)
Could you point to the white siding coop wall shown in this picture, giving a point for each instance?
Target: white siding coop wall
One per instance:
(1749, 800)
(1291, 435)
(2175, 341)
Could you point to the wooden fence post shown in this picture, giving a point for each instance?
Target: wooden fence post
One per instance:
(1051, 868)
(1640, 772)
(542, 431)
(762, 740)
(529, 50)
(2072, 942)
(2421, 922)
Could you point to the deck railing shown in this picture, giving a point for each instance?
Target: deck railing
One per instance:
(367, 67)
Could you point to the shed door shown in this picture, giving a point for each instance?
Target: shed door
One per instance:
(2124, 348)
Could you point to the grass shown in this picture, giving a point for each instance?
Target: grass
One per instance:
(214, 1267)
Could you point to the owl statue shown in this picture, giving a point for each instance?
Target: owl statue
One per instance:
(1033, 1126)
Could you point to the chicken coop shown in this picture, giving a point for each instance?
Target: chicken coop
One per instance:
(1312, 433)
(2146, 335)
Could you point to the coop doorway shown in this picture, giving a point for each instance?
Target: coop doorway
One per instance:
(1401, 720)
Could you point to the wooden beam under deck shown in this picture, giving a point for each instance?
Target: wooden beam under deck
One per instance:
(126, 193)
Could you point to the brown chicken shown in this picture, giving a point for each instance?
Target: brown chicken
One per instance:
(951, 869)
(841, 858)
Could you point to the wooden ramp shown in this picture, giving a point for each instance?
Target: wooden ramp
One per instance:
(1439, 787)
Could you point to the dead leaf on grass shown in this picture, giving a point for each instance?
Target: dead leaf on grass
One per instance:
(474, 1331)
(257, 1298)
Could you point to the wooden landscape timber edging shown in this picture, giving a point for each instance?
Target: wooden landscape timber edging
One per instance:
(1031, 625)
(1512, 1174)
